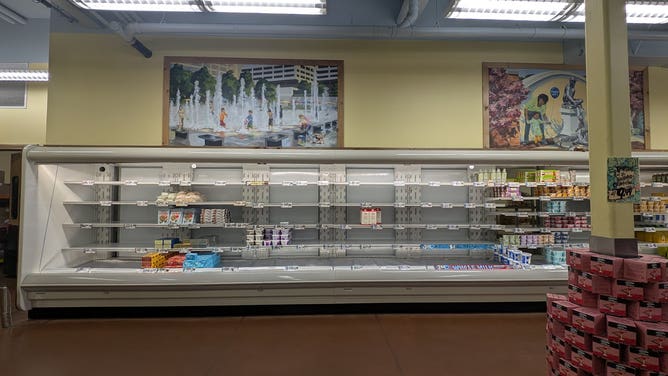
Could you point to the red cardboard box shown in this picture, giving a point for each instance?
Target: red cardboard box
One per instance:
(657, 292)
(555, 327)
(562, 310)
(643, 358)
(628, 290)
(621, 330)
(574, 276)
(643, 269)
(560, 347)
(645, 311)
(589, 320)
(612, 306)
(551, 358)
(653, 336)
(578, 258)
(603, 348)
(606, 266)
(586, 361)
(578, 338)
(616, 369)
(566, 368)
(581, 297)
(554, 297)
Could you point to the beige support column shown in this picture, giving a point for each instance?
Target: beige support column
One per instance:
(608, 116)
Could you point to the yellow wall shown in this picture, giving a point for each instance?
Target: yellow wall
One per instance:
(26, 125)
(397, 93)
(658, 114)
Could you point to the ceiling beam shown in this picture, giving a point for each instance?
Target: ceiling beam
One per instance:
(11, 14)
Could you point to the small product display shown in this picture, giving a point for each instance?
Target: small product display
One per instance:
(556, 207)
(567, 222)
(179, 198)
(563, 192)
(506, 192)
(625, 333)
(555, 256)
(660, 178)
(650, 206)
(201, 260)
(269, 237)
(215, 216)
(370, 216)
(512, 257)
(528, 240)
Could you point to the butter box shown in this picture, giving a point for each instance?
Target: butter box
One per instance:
(612, 306)
(606, 349)
(621, 330)
(628, 290)
(589, 320)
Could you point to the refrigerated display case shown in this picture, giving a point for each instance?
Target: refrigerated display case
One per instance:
(110, 227)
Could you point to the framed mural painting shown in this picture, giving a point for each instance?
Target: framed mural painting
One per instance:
(231, 102)
(539, 106)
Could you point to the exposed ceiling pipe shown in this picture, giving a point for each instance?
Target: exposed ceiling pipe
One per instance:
(59, 10)
(412, 15)
(7, 19)
(127, 36)
(376, 32)
(5, 11)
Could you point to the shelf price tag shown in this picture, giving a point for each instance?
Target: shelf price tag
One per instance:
(650, 229)
(532, 246)
(301, 183)
(571, 214)
(522, 215)
(399, 204)
(286, 205)
(648, 215)
(89, 251)
(545, 198)
(518, 230)
(173, 227)
(365, 204)
(497, 227)
(474, 227)
(657, 184)
(550, 184)
(239, 203)
(376, 227)
(185, 183)
(287, 183)
(434, 184)
(220, 183)
(567, 184)
(470, 205)
(531, 184)
(88, 182)
(431, 227)
(105, 203)
(323, 182)
(651, 245)
(453, 227)
(490, 205)
(300, 227)
(447, 205)
(399, 227)
(457, 183)
(258, 205)
(86, 226)
(578, 198)
(194, 226)
(544, 215)
(518, 198)
(399, 183)
(164, 183)
(354, 183)
(513, 184)
(130, 183)
(426, 205)
(325, 204)
(576, 229)
(479, 184)
(130, 226)
(284, 224)
(141, 250)
(142, 203)
(346, 227)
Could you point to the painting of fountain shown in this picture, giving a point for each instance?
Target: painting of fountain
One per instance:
(204, 115)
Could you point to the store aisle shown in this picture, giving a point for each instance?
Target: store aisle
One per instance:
(501, 344)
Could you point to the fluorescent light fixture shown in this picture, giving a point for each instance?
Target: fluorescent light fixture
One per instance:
(23, 75)
(308, 7)
(642, 12)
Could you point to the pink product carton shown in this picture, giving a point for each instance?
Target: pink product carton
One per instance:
(643, 358)
(606, 266)
(643, 269)
(560, 347)
(645, 311)
(612, 306)
(628, 290)
(578, 258)
(581, 297)
(562, 310)
(584, 280)
(653, 336)
(617, 369)
(657, 292)
(577, 338)
(589, 320)
(554, 297)
(586, 361)
(621, 330)
(551, 358)
(574, 276)
(603, 348)
(567, 368)
(601, 285)
(555, 327)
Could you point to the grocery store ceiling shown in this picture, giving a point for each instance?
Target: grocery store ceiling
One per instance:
(349, 19)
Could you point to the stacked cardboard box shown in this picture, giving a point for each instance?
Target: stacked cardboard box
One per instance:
(614, 320)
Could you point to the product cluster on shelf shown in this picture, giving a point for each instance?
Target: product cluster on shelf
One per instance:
(268, 236)
(179, 198)
(614, 320)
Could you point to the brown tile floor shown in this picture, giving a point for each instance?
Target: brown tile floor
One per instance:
(434, 344)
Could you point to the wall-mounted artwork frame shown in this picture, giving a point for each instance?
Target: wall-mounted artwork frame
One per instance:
(207, 101)
(544, 106)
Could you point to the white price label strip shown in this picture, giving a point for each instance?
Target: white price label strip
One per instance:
(532, 184)
(513, 184)
(426, 205)
(399, 204)
(219, 183)
(479, 184)
(185, 183)
(130, 183)
(545, 198)
(518, 198)
(470, 205)
(434, 184)
(105, 203)
(354, 183)
(650, 229)
(142, 203)
(447, 205)
(518, 230)
(399, 183)
(88, 182)
(286, 205)
(490, 206)
(457, 183)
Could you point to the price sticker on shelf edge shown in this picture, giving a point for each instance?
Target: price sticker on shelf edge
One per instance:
(658, 185)
(447, 205)
(531, 184)
(434, 184)
(497, 227)
(426, 205)
(286, 205)
(141, 250)
(185, 183)
(518, 230)
(474, 228)
(105, 203)
(366, 204)
(354, 183)
(130, 226)
(130, 183)
(567, 184)
(220, 183)
(399, 227)
(576, 229)
(88, 182)
(470, 205)
(376, 227)
(650, 229)
(89, 251)
(571, 214)
(522, 215)
(545, 198)
(578, 198)
(301, 183)
(399, 204)
(258, 205)
(323, 182)
(513, 184)
(142, 203)
(453, 227)
(399, 183)
(86, 226)
(490, 205)
(457, 183)
(550, 184)
(479, 184)
(325, 204)
(651, 245)
(648, 215)
(518, 198)
(164, 183)
(288, 183)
